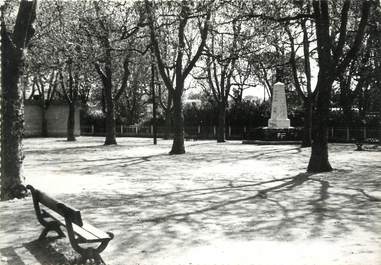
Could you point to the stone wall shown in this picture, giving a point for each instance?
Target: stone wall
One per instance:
(56, 116)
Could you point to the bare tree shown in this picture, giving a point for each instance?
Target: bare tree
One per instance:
(46, 88)
(109, 36)
(333, 60)
(182, 15)
(353, 82)
(304, 89)
(221, 55)
(242, 79)
(166, 104)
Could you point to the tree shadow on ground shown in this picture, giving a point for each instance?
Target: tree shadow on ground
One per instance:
(41, 250)
(154, 202)
(289, 183)
(54, 250)
(277, 209)
(117, 158)
(49, 251)
(87, 164)
(45, 252)
(9, 254)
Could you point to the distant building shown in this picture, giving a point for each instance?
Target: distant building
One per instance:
(56, 116)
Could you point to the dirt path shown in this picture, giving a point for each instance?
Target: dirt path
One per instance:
(217, 204)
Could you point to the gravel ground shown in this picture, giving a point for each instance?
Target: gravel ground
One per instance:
(217, 204)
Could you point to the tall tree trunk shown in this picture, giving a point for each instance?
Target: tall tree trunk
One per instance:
(348, 117)
(319, 151)
(307, 126)
(377, 45)
(44, 122)
(110, 111)
(12, 106)
(168, 124)
(71, 122)
(363, 103)
(379, 116)
(221, 134)
(346, 99)
(330, 68)
(110, 117)
(12, 122)
(178, 124)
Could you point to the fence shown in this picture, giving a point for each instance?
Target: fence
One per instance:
(232, 133)
(352, 134)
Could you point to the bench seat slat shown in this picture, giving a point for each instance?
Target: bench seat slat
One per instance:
(95, 231)
(89, 237)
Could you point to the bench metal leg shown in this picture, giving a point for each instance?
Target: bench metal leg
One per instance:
(51, 226)
(99, 260)
(90, 254)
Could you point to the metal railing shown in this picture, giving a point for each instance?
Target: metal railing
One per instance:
(335, 134)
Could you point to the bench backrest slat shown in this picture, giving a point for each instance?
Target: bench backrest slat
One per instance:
(71, 213)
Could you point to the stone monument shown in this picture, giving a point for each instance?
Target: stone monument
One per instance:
(278, 130)
(278, 119)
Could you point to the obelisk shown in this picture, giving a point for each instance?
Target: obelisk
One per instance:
(278, 119)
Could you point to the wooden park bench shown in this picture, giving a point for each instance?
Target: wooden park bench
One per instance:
(55, 214)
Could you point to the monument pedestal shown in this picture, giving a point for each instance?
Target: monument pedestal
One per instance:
(279, 130)
(281, 124)
(279, 108)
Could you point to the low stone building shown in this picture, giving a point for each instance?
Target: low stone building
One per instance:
(56, 116)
